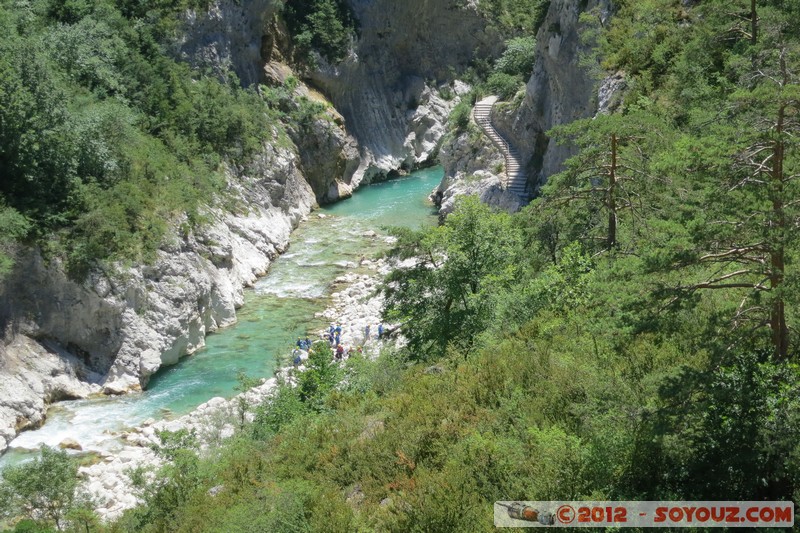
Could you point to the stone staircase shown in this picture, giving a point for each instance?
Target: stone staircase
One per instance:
(516, 181)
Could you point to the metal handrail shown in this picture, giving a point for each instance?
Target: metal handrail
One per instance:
(504, 146)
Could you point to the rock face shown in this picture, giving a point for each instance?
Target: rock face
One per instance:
(473, 166)
(114, 330)
(328, 154)
(559, 91)
(227, 37)
(33, 374)
(390, 87)
(247, 38)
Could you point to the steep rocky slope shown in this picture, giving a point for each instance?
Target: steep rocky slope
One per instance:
(559, 91)
(473, 166)
(111, 332)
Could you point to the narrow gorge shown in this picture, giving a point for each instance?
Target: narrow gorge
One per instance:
(385, 109)
(397, 266)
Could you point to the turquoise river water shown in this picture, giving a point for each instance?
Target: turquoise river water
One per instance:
(279, 308)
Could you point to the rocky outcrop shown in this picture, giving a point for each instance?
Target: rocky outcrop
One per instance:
(33, 374)
(391, 89)
(249, 39)
(473, 166)
(227, 36)
(111, 332)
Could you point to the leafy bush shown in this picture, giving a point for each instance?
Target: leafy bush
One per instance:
(446, 296)
(322, 374)
(516, 16)
(104, 140)
(504, 85)
(460, 116)
(282, 408)
(518, 57)
(326, 26)
(13, 226)
(42, 488)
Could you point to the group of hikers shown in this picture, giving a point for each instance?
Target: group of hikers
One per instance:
(334, 337)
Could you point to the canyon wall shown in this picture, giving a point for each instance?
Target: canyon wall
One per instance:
(397, 86)
(560, 89)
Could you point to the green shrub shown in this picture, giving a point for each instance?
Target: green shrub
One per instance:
(460, 116)
(504, 85)
(42, 487)
(13, 226)
(326, 26)
(516, 16)
(518, 58)
(105, 141)
(283, 407)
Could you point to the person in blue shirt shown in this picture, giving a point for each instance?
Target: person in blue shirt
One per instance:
(380, 330)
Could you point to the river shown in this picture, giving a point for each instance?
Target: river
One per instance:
(280, 307)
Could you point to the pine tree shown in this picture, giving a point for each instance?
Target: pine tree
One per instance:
(750, 152)
(609, 182)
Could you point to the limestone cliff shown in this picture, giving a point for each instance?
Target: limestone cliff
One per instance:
(473, 166)
(389, 89)
(559, 91)
(227, 37)
(248, 39)
(111, 332)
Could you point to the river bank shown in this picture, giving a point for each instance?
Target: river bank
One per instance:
(283, 305)
(108, 482)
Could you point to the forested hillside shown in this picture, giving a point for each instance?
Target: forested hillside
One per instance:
(629, 335)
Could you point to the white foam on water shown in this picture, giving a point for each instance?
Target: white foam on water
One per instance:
(292, 289)
(91, 423)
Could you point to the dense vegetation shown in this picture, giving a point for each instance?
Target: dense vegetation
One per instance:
(515, 17)
(631, 335)
(323, 26)
(104, 140)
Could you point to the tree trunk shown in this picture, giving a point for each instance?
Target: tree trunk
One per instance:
(753, 23)
(612, 192)
(777, 319)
